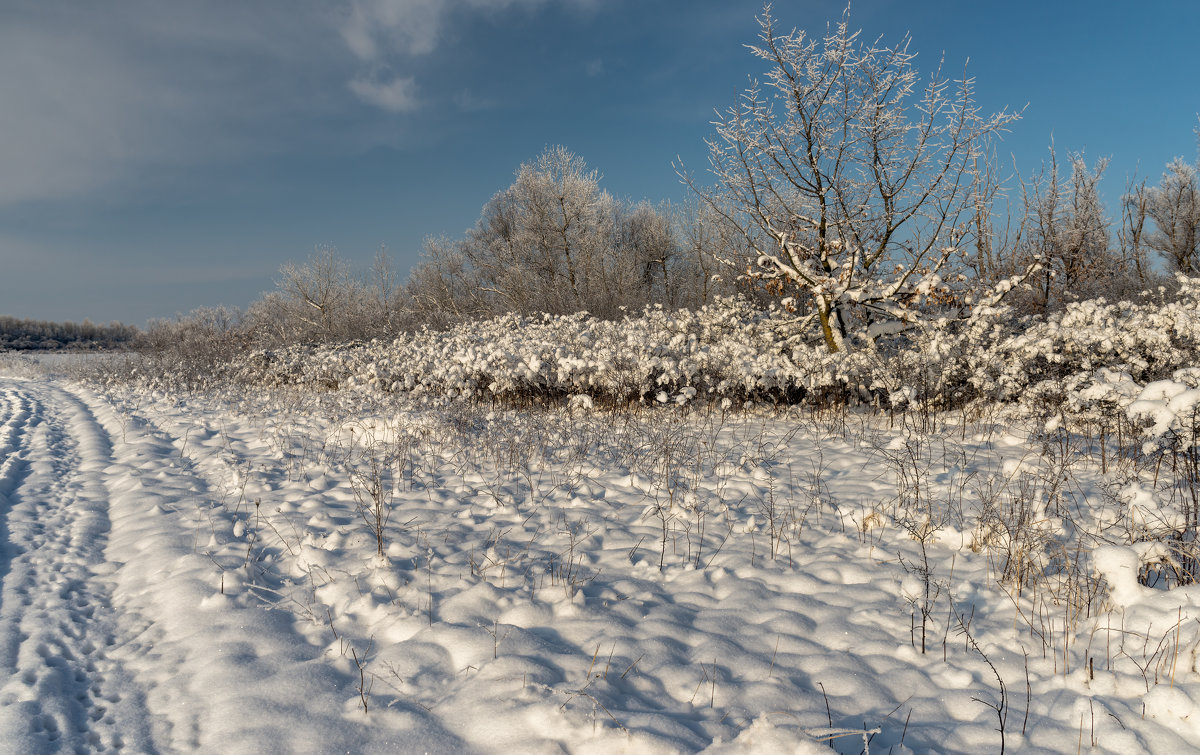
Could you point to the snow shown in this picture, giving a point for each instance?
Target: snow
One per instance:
(1168, 405)
(197, 573)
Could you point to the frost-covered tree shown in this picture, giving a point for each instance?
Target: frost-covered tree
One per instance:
(1132, 234)
(39, 334)
(324, 299)
(554, 241)
(1174, 207)
(1086, 235)
(384, 303)
(996, 229)
(646, 241)
(442, 288)
(538, 244)
(853, 179)
(1069, 234)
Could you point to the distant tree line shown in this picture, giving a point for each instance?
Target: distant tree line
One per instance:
(28, 335)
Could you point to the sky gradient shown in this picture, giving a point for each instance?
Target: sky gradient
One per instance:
(156, 157)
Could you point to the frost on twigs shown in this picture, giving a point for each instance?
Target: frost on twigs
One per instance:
(854, 180)
(1091, 359)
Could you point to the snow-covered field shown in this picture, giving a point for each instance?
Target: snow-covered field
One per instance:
(299, 572)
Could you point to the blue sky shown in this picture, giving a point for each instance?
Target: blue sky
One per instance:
(159, 156)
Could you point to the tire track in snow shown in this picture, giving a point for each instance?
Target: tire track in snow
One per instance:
(14, 409)
(63, 690)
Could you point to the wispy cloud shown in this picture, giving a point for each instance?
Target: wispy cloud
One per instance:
(392, 32)
(397, 94)
(378, 28)
(469, 102)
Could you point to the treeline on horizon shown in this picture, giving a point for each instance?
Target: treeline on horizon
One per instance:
(42, 335)
(555, 242)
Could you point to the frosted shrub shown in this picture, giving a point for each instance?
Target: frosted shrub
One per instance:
(1088, 361)
(732, 350)
(1147, 341)
(723, 350)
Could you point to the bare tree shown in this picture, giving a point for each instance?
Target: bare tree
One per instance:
(853, 181)
(384, 299)
(1089, 262)
(442, 289)
(192, 347)
(1132, 234)
(713, 251)
(323, 299)
(319, 295)
(996, 230)
(646, 243)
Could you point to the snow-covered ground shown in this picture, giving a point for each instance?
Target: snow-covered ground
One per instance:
(204, 573)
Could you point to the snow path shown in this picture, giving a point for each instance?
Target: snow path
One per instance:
(66, 688)
(114, 635)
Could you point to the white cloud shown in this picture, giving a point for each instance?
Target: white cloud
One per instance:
(398, 95)
(391, 32)
(375, 28)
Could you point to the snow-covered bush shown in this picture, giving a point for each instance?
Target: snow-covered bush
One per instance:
(1089, 361)
(728, 349)
(1147, 341)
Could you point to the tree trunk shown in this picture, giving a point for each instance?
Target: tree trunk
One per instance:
(828, 323)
